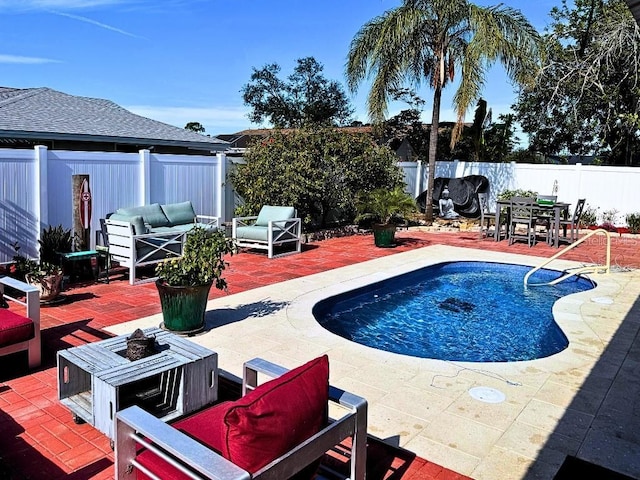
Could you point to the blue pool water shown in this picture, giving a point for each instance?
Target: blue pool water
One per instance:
(464, 311)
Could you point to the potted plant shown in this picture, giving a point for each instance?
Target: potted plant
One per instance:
(184, 283)
(45, 276)
(382, 206)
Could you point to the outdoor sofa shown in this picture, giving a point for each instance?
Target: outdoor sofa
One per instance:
(149, 234)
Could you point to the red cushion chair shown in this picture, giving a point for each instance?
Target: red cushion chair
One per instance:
(17, 331)
(281, 424)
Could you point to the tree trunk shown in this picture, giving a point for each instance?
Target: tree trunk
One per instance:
(433, 147)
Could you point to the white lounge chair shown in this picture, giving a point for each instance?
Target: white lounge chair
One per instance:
(273, 226)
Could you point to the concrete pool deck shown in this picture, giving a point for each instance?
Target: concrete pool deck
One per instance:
(572, 403)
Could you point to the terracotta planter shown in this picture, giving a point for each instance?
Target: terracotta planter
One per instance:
(183, 308)
(384, 235)
(49, 286)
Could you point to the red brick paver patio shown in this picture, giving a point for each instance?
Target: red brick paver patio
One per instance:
(38, 436)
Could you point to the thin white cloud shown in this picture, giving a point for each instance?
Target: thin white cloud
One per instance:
(57, 4)
(94, 22)
(215, 120)
(25, 60)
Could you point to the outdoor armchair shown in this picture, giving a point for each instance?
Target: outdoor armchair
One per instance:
(20, 332)
(275, 430)
(273, 226)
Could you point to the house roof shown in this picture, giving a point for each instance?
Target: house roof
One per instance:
(46, 114)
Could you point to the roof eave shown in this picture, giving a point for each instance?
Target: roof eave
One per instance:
(218, 145)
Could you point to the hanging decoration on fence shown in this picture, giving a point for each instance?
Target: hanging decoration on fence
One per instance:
(81, 195)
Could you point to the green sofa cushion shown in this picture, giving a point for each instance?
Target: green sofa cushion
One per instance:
(271, 213)
(179, 213)
(253, 232)
(139, 228)
(152, 214)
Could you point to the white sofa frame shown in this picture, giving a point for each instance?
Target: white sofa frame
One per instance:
(32, 305)
(124, 244)
(135, 428)
(279, 232)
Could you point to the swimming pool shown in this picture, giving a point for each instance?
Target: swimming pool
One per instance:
(464, 311)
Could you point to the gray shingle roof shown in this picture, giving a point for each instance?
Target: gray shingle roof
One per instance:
(47, 113)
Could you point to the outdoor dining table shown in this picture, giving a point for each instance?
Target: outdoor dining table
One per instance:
(560, 212)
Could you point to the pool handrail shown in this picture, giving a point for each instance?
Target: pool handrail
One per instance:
(592, 268)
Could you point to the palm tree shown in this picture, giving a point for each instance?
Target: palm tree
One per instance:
(427, 40)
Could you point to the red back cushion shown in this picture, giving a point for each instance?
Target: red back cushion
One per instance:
(264, 424)
(14, 328)
(277, 416)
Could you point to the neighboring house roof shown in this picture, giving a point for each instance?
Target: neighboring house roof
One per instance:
(46, 114)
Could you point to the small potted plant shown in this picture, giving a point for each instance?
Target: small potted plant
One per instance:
(45, 276)
(382, 206)
(184, 283)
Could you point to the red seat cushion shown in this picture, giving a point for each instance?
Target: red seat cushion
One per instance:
(14, 328)
(262, 425)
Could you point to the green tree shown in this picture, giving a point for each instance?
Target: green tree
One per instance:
(499, 139)
(587, 92)
(305, 98)
(194, 127)
(318, 171)
(426, 41)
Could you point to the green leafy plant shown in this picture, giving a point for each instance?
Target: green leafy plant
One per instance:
(507, 194)
(382, 205)
(633, 222)
(36, 271)
(589, 216)
(202, 261)
(319, 170)
(53, 241)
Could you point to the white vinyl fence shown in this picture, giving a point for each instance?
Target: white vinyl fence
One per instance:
(36, 186)
(604, 188)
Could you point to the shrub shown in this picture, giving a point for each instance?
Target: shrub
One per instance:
(318, 171)
(53, 241)
(589, 216)
(633, 222)
(507, 194)
(609, 216)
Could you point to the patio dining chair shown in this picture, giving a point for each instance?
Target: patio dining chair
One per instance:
(545, 218)
(488, 218)
(522, 221)
(572, 225)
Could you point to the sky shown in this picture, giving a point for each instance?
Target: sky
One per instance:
(180, 61)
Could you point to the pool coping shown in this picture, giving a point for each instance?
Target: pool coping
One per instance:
(422, 404)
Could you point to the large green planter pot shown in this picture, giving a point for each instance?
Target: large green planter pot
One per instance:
(183, 308)
(384, 235)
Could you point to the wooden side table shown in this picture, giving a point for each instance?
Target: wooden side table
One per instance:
(96, 380)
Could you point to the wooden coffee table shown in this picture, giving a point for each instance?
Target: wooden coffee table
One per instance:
(96, 380)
